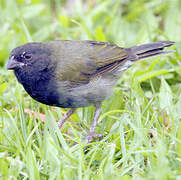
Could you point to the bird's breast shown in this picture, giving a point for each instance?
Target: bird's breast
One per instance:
(50, 91)
(40, 86)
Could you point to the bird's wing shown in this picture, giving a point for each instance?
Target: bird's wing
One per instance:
(78, 61)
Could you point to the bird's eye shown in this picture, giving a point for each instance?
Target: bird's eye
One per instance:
(27, 56)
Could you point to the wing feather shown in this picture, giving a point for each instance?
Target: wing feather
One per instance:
(83, 59)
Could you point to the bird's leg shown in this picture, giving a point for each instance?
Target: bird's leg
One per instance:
(65, 117)
(91, 133)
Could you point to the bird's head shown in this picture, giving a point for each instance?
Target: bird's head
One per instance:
(29, 56)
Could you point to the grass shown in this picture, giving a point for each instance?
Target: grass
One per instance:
(140, 122)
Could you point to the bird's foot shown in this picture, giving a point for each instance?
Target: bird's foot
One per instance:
(90, 136)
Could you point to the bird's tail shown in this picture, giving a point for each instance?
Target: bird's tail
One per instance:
(151, 49)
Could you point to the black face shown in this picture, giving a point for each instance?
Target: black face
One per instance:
(34, 69)
(28, 56)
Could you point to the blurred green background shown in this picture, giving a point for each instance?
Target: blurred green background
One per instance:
(123, 22)
(141, 120)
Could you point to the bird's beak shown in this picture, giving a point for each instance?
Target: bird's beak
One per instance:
(13, 64)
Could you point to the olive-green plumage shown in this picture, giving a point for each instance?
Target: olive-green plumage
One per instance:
(74, 74)
(82, 59)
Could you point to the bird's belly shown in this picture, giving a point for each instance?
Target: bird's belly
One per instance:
(96, 91)
(53, 96)
(43, 95)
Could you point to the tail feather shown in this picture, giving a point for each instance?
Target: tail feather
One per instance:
(151, 49)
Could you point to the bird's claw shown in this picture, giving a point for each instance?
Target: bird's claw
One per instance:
(90, 136)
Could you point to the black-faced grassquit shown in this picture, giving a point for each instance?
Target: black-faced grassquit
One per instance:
(73, 74)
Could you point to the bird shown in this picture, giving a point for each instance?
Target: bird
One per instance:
(76, 73)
